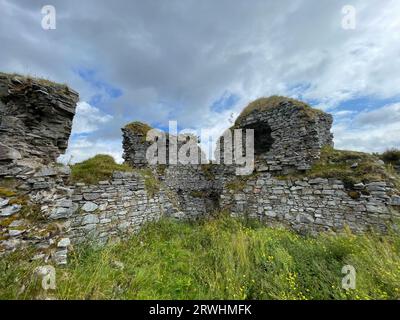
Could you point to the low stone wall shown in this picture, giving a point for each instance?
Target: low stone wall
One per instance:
(115, 208)
(314, 204)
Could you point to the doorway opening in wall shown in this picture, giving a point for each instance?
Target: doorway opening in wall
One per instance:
(263, 140)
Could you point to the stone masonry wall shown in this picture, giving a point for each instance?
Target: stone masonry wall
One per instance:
(35, 122)
(40, 207)
(135, 146)
(116, 208)
(314, 204)
(194, 187)
(294, 136)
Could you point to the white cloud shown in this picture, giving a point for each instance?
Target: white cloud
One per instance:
(386, 115)
(81, 149)
(174, 60)
(370, 131)
(88, 118)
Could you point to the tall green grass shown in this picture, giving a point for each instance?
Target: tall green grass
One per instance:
(219, 259)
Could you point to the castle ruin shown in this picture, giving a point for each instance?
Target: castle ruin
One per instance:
(35, 125)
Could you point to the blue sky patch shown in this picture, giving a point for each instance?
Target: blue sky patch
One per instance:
(367, 103)
(225, 102)
(106, 90)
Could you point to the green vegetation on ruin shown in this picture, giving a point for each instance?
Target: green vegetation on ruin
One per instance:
(349, 166)
(391, 156)
(138, 128)
(198, 193)
(238, 183)
(160, 169)
(223, 258)
(151, 183)
(98, 168)
(29, 211)
(31, 79)
(263, 104)
(5, 192)
(207, 169)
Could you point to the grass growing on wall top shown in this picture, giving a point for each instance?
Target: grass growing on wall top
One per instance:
(138, 127)
(98, 168)
(271, 102)
(219, 259)
(33, 79)
(337, 164)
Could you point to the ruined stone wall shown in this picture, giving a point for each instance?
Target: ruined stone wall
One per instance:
(30, 208)
(194, 187)
(115, 208)
(68, 214)
(135, 147)
(35, 122)
(313, 205)
(287, 137)
(46, 210)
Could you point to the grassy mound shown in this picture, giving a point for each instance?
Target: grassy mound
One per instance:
(219, 259)
(96, 169)
(263, 104)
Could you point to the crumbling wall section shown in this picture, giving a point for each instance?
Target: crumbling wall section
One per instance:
(291, 135)
(35, 122)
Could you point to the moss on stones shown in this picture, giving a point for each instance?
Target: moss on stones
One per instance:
(391, 156)
(4, 192)
(28, 80)
(240, 182)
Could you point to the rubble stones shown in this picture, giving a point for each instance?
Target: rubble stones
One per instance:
(4, 202)
(89, 206)
(10, 210)
(63, 243)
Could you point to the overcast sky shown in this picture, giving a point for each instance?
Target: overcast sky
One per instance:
(200, 62)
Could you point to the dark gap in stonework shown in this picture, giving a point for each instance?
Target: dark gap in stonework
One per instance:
(263, 140)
